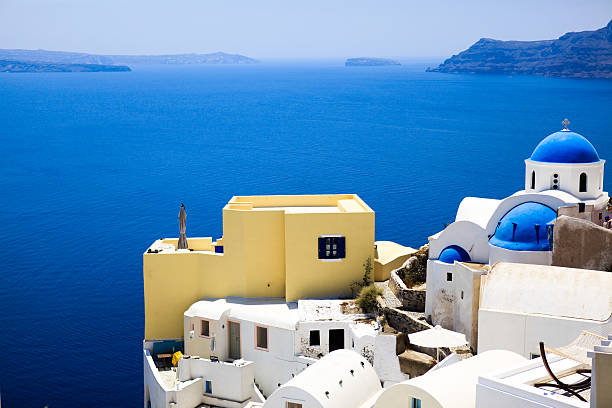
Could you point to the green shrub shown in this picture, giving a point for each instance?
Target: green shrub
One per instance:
(367, 298)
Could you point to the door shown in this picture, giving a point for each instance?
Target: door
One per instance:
(336, 339)
(234, 340)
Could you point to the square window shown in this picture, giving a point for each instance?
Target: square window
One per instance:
(261, 342)
(204, 328)
(332, 247)
(315, 338)
(449, 276)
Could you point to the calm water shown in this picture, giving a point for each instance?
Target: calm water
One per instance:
(94, 168)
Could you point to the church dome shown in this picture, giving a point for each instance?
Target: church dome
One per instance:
(525, 228)
(565, 147)
(453, 253)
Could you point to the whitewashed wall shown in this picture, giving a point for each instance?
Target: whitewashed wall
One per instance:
(522, 333)
(568, 177)
(158, 395)
(498, 254)
(454, 304)
(465, 234)
(228, 380)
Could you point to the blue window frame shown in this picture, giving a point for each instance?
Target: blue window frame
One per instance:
(332, 247)
(415, 403)
(209, 387)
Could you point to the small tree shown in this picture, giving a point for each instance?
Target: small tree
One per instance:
(367, 272)
(366, 280)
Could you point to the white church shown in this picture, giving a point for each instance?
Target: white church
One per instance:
(563, 174)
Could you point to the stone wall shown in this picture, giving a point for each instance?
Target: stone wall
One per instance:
(412, 299)
(405, 322)
(581, 244)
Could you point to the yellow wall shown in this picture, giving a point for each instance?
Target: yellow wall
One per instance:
(310, 277)
(266, 254)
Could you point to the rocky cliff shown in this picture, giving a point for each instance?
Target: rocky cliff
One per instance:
(31, 66)
(62, 57)
(585, 54)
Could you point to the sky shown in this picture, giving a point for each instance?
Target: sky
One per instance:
(289, 29)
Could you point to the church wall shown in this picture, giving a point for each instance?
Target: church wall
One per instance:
(465, 234)
(569, 177)
(498, 254)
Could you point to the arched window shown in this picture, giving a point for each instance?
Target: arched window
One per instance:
(533, 180)
(583, 183)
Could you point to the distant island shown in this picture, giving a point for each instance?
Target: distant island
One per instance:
(61, 61)
(369, 62)
(33, 66)
(585, 54)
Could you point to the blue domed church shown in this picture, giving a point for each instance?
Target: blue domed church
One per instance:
(563, 176)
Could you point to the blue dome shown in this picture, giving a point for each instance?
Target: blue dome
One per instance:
(565, 147)
(453, 253)
(525, 228)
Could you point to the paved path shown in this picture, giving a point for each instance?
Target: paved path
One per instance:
(388, 297)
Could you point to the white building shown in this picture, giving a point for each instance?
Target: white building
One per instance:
(341, 379)
(521, 305)
(453, 386)
(563, 170)
(282, 339)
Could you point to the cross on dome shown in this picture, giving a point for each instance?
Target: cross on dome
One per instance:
(565, 124)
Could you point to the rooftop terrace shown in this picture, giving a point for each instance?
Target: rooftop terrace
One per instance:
(300, 204)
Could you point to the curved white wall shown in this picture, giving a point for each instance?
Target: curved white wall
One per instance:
(497, 254)
(509, 203)
(568, 177)
(465, 234)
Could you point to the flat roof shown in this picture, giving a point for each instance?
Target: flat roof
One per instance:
(548, 290)
(299, 204)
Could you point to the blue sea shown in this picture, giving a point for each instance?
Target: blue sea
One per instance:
(94, 167)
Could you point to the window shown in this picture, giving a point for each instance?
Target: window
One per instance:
(449, 276)
(533, 355)
(315, 338)
(415, 402)
(332, 247)
(583, 183)
(461, 294)
(261, 340)
(533, 180)
(204, 328)
(293, 405)
(208, 388)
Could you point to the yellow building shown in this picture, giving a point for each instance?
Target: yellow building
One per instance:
(294, 247)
